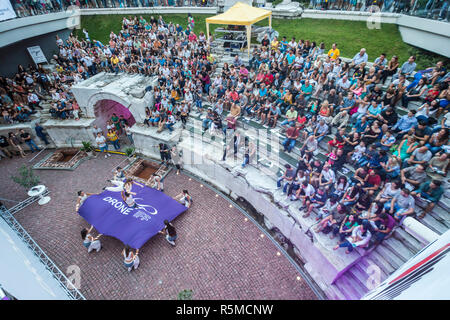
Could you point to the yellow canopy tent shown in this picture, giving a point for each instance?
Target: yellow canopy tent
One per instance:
(241, 14)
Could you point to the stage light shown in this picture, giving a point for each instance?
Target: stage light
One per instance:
(190, 179)
(278, 253)
(245, 219)
(262, 236)
(201, 186)
(231, 206)
(298, 278)
(217, 195)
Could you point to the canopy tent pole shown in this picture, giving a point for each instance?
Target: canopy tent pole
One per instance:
(249, 38)
(207, 32)
(270, 22)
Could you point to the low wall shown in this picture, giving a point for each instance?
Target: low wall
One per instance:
(150, 10)
(23, 28)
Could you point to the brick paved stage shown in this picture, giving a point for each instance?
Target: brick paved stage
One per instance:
(218, 255)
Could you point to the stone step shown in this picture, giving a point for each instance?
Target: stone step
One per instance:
(359, 280)
(398, 248)
(408, 240)
(349, 288)
(360, 274)
(334, 293)
(432, 223)
(368, 265)
(389, 256)
(381, 262)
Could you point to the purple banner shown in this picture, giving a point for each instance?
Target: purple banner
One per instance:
(111, 216)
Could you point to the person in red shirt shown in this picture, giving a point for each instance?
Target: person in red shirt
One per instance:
(268, 78)
(372, 181)
(291, 136)
(301, 119)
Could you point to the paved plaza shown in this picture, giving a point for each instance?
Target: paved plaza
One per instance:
(218, 255)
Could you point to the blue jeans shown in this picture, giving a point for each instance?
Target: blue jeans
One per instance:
(288, 144)
(104, 148)
(432, 149)
(285, 122)
(206, 124)
(116, 144)
(348, 245)
(32, 145)
(246, 160)
(130, 138)
(169, 126)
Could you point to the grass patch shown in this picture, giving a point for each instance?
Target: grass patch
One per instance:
(350, 36)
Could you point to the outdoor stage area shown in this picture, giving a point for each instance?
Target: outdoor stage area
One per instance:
(219, 255)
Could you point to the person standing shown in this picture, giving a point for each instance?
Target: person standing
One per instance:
(40, 133)
(4, 146)
(176, 159)
(15, 142)
(27, 138)
(164, 151)
(131, 260)
(82, 196)
(185, 198)
(102, 145)
(129, 134)
(170, 232)
(89, 241)
(113, 138)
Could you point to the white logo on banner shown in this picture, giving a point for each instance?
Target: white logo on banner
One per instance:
(125, 209)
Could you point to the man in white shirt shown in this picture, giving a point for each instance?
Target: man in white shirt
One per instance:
(102, 145)
(359, 58)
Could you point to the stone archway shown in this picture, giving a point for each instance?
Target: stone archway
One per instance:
(104, 110)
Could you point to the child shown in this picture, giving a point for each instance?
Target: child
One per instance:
(358, 153)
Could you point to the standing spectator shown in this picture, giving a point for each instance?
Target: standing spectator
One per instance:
(101, 143)
(4, 146)
(26, 137)
(40, 133)
(113, 138)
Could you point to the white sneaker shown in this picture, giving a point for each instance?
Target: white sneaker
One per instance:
(106, 156)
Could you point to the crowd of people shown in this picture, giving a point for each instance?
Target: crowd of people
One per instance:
(24, 8)
(397, 158)
(308, 92)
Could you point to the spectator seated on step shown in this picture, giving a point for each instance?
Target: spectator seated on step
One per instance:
(359, 237)
(401, 205)
(430, 192)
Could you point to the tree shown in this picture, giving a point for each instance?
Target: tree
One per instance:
(26, 178)
(185, 295)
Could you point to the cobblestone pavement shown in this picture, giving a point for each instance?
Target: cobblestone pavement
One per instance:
(218, 255)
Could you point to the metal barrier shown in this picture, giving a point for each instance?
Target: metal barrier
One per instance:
(65, 283)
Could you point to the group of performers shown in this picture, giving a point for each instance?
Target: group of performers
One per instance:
(124, 185)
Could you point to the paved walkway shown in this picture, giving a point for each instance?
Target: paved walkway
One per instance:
(218, 255)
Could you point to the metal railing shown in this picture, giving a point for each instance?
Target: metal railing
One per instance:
(28, 8)
(65, 283)
(429, 9)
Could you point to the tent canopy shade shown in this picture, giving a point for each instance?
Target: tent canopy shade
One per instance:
(243, 15)
(240, 14)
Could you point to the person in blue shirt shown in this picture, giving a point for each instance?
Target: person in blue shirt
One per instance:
(274, 113)
(405, 123)
(290, 57)
(284, 44)
(262, 91)
(374, 110)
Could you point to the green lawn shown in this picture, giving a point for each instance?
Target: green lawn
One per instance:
(350, 36)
